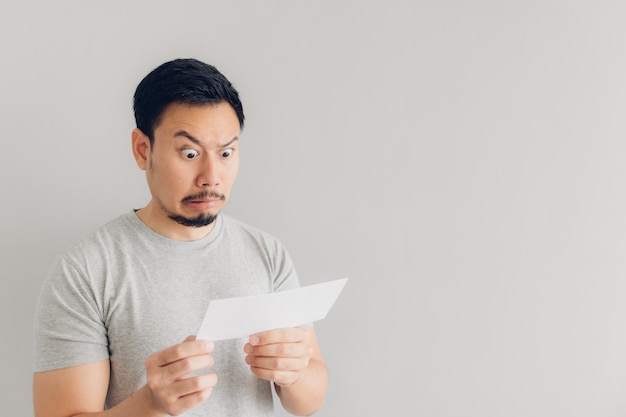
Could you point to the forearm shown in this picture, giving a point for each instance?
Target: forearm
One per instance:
(137, 404)
(307, 394)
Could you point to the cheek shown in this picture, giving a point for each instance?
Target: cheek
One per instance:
(169, 179)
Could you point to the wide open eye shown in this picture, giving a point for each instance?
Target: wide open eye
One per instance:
(189, 153)
(226, 153)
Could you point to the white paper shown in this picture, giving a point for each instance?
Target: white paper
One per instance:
(232, 318)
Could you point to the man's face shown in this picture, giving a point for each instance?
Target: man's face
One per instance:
(191, 166)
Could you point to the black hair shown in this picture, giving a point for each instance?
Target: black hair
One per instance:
(186, 81)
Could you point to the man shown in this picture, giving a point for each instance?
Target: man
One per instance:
(116, 310)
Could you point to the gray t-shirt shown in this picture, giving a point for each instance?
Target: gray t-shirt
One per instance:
(125, 292)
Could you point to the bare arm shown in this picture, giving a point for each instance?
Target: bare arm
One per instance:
(292, 359)
(81, 390)
(71, 391)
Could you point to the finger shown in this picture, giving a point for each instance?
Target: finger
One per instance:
(161, 378)
(288, 335)
(182, 350)
(190, 392)
(279, 350)
(194, 384)
(278, 364)
(190, 401)
(282, 378)
(183, 367)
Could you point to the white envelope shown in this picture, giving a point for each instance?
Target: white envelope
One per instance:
(231, 318)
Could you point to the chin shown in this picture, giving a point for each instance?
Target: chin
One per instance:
(201, 220)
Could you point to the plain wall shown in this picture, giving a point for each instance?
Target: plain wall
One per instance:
(462, 162)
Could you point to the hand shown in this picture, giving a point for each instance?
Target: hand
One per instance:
(279, 355)
(171, 390)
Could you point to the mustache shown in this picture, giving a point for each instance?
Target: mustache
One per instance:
(204, 195)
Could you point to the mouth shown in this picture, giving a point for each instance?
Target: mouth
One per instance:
(204, 200)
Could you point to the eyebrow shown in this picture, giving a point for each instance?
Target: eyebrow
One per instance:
(195, 140)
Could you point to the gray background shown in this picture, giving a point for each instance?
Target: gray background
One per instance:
(462, 162)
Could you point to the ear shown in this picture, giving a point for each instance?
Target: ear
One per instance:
(141, 148)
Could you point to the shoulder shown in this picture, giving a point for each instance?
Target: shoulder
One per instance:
(250, 237)
(234, 226)
(99, 242)
(260, 248)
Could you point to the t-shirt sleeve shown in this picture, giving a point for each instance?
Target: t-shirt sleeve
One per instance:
(285, 275)
(69, 324)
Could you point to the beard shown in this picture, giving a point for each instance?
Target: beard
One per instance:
(199, 221)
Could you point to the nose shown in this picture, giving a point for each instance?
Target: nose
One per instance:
(209, 174)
